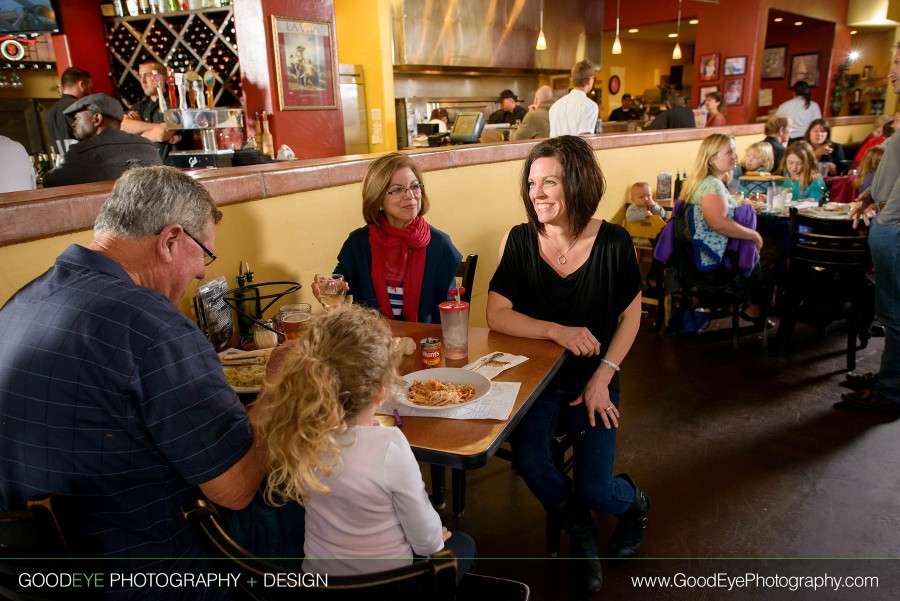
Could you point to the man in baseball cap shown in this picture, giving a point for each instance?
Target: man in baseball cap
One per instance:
(103, 151)
(509, 112)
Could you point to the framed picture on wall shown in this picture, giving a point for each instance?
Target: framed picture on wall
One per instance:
(805, 67)
(705, 91)
(773, 62)
(735, 65)
(734, 91)
(709, 67)
(304, 64)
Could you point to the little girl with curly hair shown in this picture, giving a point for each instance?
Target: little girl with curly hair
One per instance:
(366, 506)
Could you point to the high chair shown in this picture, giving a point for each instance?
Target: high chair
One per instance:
(648, 229)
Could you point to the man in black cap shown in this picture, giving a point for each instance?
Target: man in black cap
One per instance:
(103, 151)
(509, 112)
(626, 112)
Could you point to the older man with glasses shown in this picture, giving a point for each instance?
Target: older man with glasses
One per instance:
(113, 397)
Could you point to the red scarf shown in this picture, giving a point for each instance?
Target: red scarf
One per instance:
(398, 257)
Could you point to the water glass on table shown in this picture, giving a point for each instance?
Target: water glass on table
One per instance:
(455, 329)
(332, 289)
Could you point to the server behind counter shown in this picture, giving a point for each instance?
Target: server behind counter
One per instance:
(145, 118)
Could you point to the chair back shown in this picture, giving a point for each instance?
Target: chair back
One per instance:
(466, 273)
(648, 228)
(31, 541)
(825, 249)
(430, 578)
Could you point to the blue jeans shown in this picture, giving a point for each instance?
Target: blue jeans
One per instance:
(594, 448)
(884, 242)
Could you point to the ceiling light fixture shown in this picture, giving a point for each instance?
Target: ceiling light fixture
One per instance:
(798, 23)
(778, 19)
(633, 30)
(676, 53)
(542, 41)
(693, 21)
(617, 45)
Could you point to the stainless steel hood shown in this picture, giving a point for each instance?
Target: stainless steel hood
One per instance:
(495, 34)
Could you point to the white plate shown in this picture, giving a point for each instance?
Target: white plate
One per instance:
(824, 213)
(454, 375)
(238, 389)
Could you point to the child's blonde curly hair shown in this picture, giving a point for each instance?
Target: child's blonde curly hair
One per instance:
(327, 378)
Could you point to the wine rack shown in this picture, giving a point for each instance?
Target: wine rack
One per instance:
(186, 40)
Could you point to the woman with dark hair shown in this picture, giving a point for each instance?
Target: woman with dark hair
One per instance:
(800, 109)
(397, 263)
(818, 134)
(573, 279)
(715, 102)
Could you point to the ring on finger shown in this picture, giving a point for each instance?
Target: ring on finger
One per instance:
(609, 408)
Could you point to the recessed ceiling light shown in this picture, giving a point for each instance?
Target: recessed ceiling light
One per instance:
(673, 35)
(798, 23)
(694, 21)
(633, 30)
(853, 32)
(778, 19)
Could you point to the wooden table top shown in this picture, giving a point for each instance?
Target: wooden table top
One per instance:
(468, 444)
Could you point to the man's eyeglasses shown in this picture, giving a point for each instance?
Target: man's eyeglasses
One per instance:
(209, 258)
(400, 191)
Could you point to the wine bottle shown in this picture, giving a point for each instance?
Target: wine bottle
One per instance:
(268, 145)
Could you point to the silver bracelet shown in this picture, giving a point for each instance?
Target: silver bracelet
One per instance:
(610, 363)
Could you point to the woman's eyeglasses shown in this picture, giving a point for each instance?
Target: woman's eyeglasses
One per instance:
(400, 191)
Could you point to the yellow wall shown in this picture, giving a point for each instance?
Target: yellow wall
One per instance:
(363, 28)
(637, 77)
(293, 237)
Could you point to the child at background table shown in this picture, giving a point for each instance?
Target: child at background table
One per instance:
(366, 506)
(643, 207)
(800, 163)
(642, 204)
(867, 168)
(758, 158)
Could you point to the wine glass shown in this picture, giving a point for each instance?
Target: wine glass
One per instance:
(332, 289)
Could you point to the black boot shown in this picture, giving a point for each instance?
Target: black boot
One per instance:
(626, 539)
(575, 517)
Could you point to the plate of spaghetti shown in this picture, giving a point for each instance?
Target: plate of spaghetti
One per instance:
(444, 388)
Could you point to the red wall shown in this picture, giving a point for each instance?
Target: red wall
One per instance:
(82, 43)
(808, 43)
(738, 28)
(310, 134)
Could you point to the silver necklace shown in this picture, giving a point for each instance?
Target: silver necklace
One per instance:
(562, 256)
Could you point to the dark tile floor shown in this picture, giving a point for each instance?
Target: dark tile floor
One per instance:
(753, 466)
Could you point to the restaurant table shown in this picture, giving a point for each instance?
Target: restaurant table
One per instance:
(465, 444)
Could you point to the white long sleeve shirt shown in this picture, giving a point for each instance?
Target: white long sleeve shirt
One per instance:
(377, 514)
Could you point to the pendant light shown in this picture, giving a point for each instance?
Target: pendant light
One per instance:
(617, 45)
(542, 41)
(676, 53)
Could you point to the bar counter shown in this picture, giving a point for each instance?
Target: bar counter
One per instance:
(289, 219)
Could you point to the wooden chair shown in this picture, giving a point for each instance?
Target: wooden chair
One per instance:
(830, 261)
(649, 229)
(721, 290)
(431, 578)
(32, 541)
(466, 274)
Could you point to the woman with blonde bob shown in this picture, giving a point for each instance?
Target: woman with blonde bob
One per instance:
(397, 263)
(706, 189)
(366, 507)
